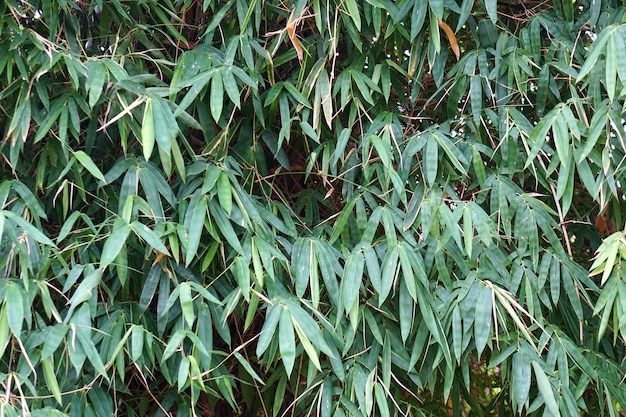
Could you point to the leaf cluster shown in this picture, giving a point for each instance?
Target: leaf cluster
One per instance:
(336, 208)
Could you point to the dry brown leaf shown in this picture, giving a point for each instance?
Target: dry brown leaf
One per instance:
(292, 24)
(451, 38)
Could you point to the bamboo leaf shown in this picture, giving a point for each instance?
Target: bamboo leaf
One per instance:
(545, 388)
(92, 353)
(196, 214)
(14, 299)
(148, 136)
(114, 243)
(611, 67)
(96, 76)
(224, 192)
(325, 94)
(269, 328)
(286, 340)
(51, 380)
(241, 271)
(137, 341)
(431, 161)
(492, 10)
(482, 320)
(217, 96)
(149, 236)
(186, 303)
(86, 161)
(173, 344)
(521, 379)
(231, 88)
(355, 14)
(149, 288)
(351, 279)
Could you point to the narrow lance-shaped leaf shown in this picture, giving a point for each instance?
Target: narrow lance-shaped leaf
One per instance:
(114, 242)
(351, 279)
(217, 96)
(224, 192)
(86, 161)
(325, 94)
(14, 299)
(286, 340)
(186, 303)
(51, 379)
(148, 137)
(545, 388)
(269, 328)
(194, 226)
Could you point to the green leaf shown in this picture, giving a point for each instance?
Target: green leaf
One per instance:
(457, 334)
(381, 400)
(476, 97)
(51, 380)
(216, 103)
(431, 161)
(482, 319)
(538, 135)
(269, 328)
(197, 83)
(149, 236)
(148, 135)
(204, 331)
(230, 85)
(5, 333)
(468, 230)
(339, 225)
(217, 18)
(355, 14)
(593, 54)
(165, 125)
(307, 345)
(241, 271)
(86, 161)
(352, 278)
(183, 373)
(92, 353)
(452, 152)
(54, 338)
(388, 276)
(224, 192)
(286, 340)
(173, 344)
(325, 94)
(492, 10)
(249, 369)
(149, 288)
(31, 230)
(114, 243)
(14, 300)
(96, 76)
(186, 303)
(137, 341)
(84, 291)
(301, 264)
(521, 379)
(194, 225)
(545, 388)
(225, 226)
(611, 67)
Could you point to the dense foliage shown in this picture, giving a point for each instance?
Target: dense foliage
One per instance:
(334, 208)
